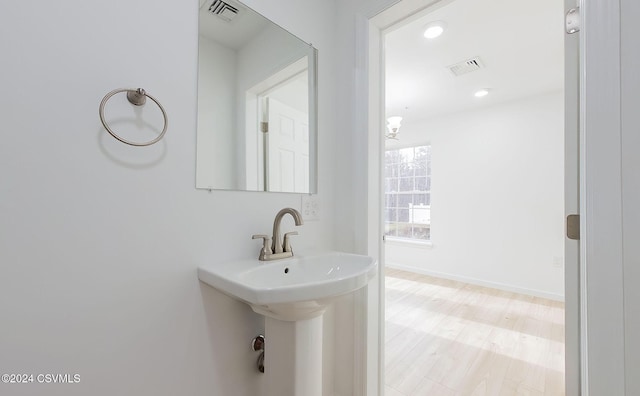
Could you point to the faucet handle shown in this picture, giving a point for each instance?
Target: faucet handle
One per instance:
(266, 238)
(286, 244)
(266, 249)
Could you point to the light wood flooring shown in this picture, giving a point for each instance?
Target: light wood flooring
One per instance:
(448, 338)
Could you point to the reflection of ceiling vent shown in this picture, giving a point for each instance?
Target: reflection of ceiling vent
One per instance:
(467, 66)
(223, 10)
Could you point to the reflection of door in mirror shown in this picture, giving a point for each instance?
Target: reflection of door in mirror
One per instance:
(287, 159)
(278, 121)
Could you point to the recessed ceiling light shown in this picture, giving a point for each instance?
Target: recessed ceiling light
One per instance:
(481, 93)
(434, 29)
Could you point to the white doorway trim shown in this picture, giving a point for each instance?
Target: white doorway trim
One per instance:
(601, 278)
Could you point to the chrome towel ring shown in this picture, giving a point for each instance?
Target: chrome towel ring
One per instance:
(137, 97)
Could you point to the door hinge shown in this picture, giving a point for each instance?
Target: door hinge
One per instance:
(264, 127)
(573, 227)
(572, 20)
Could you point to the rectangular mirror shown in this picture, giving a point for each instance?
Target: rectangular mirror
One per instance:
(257, 117)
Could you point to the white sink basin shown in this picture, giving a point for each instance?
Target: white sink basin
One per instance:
(291, 289)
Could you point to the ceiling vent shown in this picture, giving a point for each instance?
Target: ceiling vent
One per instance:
(223, 10)
(467, 66)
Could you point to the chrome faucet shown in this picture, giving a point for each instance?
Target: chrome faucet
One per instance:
(280, 248)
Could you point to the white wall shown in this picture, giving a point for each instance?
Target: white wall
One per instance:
(217, 132)
(497, 196)
(99, 241)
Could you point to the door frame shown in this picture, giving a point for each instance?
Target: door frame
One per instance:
(598, 304)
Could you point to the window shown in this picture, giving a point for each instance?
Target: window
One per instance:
(408, 193)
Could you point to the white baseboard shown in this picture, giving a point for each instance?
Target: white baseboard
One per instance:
(479, 282)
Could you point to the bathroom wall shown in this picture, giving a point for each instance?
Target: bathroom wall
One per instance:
(100, 241)
(497, 196)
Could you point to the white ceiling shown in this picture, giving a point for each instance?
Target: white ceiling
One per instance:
(520, 43)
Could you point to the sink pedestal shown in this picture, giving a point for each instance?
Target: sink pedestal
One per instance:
(293, 357)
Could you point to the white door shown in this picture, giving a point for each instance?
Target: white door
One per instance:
(288, 148)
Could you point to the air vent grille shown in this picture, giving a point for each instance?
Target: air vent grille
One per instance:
(467, 66)
(223, 10)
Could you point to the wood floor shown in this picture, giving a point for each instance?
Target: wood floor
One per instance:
(448, 338)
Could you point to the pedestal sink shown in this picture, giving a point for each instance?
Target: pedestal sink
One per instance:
(292, 294)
